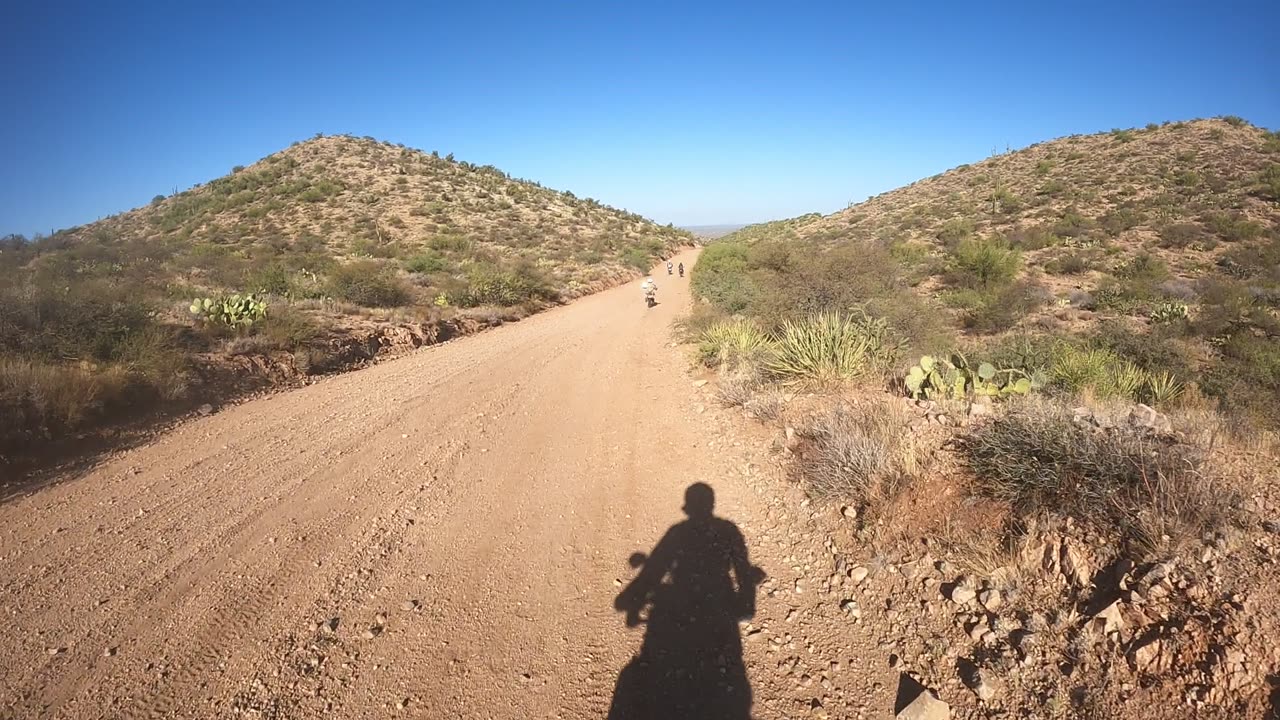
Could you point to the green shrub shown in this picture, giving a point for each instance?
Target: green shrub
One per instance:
(368, 283)
(1052, 187)
(996, 309)
(1232, 226)
(1269, 182)
(801, 279)
(271, 279)
(41, 400)
(983, 263)
(1234, 120)
(1121, 219)
(1122, 136)
(85, 321)
(830, 347)
(955, 230)
(1105, 374)
(1032, 238)
(425, 262)
(720, 276)
(1004, 201)
(1040, 460)
(455, 244)
(504, 287)
(640, 259)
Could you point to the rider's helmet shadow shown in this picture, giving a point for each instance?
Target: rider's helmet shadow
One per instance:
(697, 584)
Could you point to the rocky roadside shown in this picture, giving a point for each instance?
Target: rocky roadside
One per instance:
(1064, 625)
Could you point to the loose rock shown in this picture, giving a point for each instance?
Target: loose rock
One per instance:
(925, 706)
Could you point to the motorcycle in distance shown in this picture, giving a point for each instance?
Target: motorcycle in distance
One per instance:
(681, 269)
(668, 268)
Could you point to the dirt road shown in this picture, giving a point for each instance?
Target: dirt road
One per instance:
(441, 535)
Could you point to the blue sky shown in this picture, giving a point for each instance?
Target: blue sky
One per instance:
(690, 112)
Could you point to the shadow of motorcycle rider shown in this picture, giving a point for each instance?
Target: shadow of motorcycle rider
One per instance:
(698, 583)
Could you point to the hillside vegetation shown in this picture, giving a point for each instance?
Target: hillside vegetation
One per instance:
(1155, 250)
(1055, 375)
(342, 242)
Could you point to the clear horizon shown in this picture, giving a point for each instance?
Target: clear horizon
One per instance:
(711, 115)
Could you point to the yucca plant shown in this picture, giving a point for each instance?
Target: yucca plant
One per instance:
(735, 343)
(830, 347)
(1164, 388)
(1125, 380)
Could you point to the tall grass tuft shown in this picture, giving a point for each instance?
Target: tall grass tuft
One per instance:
(860, 454)
(734, 343)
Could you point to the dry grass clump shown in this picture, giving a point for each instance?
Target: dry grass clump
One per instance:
(860, 453)
(1152, 489)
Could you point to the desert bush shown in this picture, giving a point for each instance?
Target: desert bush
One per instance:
(487, 285)
(638, 259)
(1121, 219)
(739, 387)
(41, 400)
(955, 230)
(1245, 379)
(1232, 226)
(1076, 262)
(1268, 183)
(271, 279)
(1259, 260)
(720, 276)
(983, 263)
(1138, 279)
(454, 244)
(810, 280)
(1122, 136)
(1004, 201)
(859, 454)
(1042, 462)
(830, 347)
(1072, 224)
(1035, 237)
(425, 262)
(1181, 235)
(369, 284)
(85, 321)
(734, 343)
(1156, 351)
(995, 309)
(288, 329)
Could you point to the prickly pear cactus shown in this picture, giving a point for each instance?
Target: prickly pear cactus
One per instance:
(954, 379)
(238, 312)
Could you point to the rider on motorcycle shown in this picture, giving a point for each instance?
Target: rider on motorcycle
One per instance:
(668, 267)
(649, 287)
(681, 269)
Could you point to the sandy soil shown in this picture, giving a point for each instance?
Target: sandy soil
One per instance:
(443, 535)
